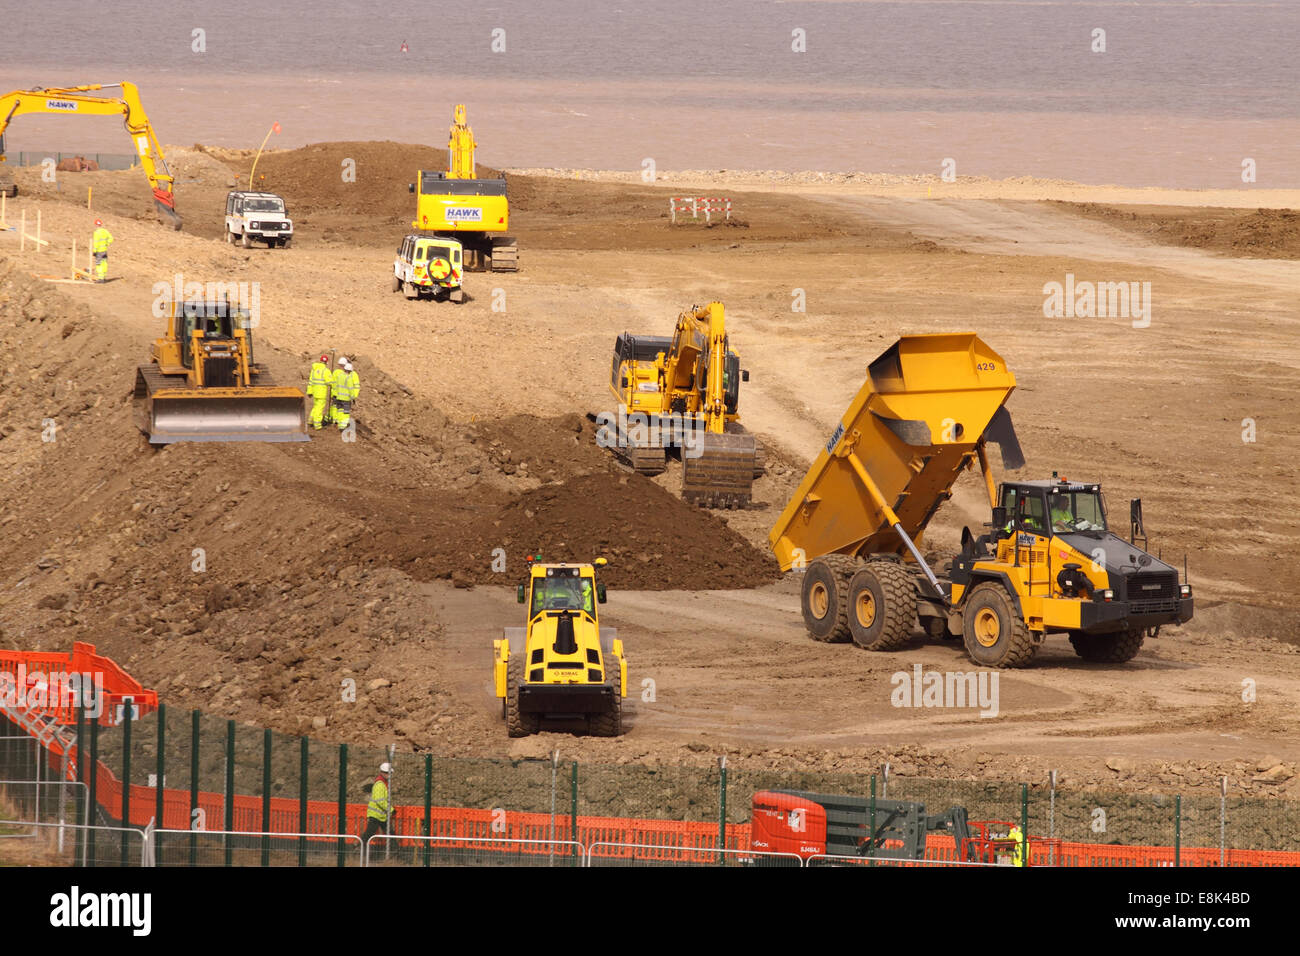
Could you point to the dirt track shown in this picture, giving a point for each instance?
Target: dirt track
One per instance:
(281, 616)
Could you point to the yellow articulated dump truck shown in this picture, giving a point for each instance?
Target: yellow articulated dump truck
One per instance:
(563, 667)
(1049, 563)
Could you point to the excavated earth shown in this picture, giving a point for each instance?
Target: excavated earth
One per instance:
(252, 580)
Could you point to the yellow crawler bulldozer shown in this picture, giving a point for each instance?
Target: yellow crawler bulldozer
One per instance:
(203, 384)
(679, 396)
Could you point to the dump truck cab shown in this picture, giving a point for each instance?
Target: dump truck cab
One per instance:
(562, 667)
(1051, 546)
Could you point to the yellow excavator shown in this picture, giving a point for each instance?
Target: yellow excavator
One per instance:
(203, 384)
(679, 396)
(74, 101)
(474, 211)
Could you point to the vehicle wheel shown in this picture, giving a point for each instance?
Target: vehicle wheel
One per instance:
(410, 290)
(284, 243)
(457, 295)
(610, 723)
(230, 237)
(1116, 648)
(518, 724)
(882, 604)
(245, 241)
(825, 597)
(995, 634)
(397, 284)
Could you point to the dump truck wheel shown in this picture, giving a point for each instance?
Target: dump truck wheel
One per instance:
(825, 598)
(1117, 648)
(518, 724)
(882, 603)
(994, 631)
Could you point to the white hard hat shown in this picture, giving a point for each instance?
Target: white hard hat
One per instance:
(385, 768)
(347, 366)
(343, 360)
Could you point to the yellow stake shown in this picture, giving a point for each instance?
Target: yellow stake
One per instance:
(275, 128)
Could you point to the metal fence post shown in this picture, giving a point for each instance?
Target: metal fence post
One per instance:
(92, 810)
(722, 810)
(194, 784)
(1223, 819)
(1051, 820)
(573, 807)
(266, 796)
(428, 804)
(82, 808)
(871, 836)
(162, 767)
(230, 789)
(343, 802)
(303, 745)
(1178, 830)
(1024, 824)
(128, 711)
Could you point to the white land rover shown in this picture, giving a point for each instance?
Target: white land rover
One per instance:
(260, 216)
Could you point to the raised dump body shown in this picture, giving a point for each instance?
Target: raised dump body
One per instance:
(891, 462)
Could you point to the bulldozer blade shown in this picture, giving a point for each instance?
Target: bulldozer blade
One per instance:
(720, 473)
(254, 416)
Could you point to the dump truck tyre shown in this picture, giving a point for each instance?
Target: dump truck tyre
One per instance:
(882, 604)
(994, 630)
(518, 724)
(825, 598)
(1117, 648)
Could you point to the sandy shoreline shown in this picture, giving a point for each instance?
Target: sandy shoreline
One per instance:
(1027, 188)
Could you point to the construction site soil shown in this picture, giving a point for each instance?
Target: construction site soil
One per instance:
(250, 580)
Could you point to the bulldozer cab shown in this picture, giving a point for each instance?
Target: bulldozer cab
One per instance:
(216, 320)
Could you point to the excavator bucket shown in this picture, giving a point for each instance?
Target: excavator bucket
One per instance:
(168, 414)
(166, 204)
(719, 472)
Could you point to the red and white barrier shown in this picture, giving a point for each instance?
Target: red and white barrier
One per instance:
(700, 204)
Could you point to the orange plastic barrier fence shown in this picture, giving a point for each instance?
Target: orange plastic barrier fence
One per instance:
(42, 684)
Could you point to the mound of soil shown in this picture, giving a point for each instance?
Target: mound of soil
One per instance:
(653, 540)
(1251, 233)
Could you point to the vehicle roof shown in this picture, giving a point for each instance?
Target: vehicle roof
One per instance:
(255, 195)
(1058, 485)
(424, 235)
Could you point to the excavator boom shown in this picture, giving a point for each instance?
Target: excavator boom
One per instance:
(75, 100)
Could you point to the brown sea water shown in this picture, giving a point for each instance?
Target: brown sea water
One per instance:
(1182, 94)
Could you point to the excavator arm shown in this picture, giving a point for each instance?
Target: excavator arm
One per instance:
(74, 99)
(460, 147)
